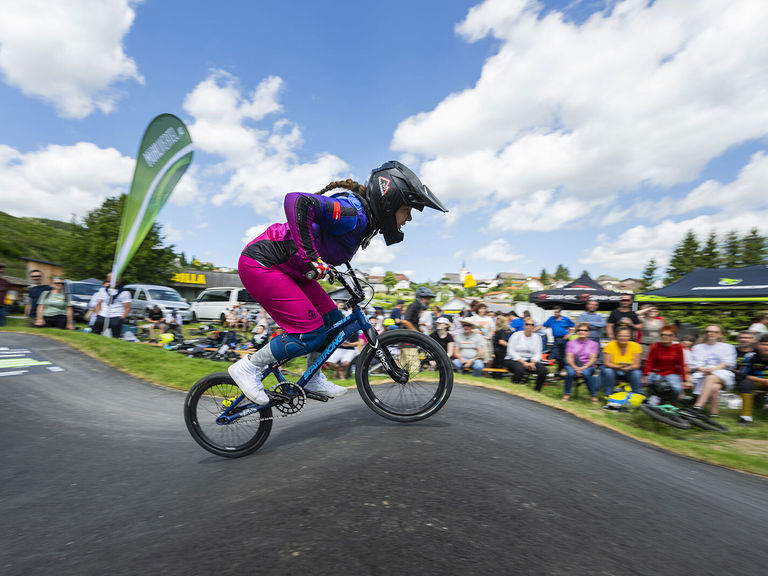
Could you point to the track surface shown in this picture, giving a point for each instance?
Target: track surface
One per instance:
(99, 476)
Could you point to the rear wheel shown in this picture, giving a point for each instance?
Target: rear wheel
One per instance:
(702, 420)
(430, 377)
(206, 402)
(665, 416)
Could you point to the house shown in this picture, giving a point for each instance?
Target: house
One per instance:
(377, 282)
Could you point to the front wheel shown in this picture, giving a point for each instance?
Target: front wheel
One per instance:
(430, 377)
(206, 402)
(666, 416)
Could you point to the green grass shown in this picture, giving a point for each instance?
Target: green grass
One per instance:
(743, 448)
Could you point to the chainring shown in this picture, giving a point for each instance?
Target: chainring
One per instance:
(288, 398)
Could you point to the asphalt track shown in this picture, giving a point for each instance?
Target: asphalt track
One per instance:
(99, 476)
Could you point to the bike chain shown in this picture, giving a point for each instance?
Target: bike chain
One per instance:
(281, 391)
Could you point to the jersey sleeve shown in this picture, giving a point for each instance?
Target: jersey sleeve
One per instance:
(307, 214)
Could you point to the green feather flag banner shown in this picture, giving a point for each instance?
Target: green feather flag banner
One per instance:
(164, 155)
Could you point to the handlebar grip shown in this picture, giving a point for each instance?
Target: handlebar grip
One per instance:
(311, 275)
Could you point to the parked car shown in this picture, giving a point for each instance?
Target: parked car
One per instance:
(145, 296)
(214, 303)
(81, 293)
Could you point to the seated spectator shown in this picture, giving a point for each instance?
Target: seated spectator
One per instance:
(524, 355)
(754, 372)
(561, 329)
(174, 321)
(396, 314)
(155, 322)
(666, 361)
(470, 347)
(111, 306)
(54, 307)
(342, 357)
(746, 342)
(580, 359)
(500, 341)
(758, 325)
(713, 361)
(443, 336)
(517, 324)
(621, 359)
(33, 293)
(687, 343)
(426, 321)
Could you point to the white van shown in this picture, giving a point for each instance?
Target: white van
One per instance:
(214, 303)
(145, 296)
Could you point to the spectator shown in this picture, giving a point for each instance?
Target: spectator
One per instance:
(260, 336)
(426, 321)
(500, 341)
(758, 326)
(621, 359)
(33, 294)
(561, 328)
(174, 321)
(485, 325)
(424, 297)
(516, 323)
(4, 285)
(112, 307)
(623, 315)
(687, 343)
(580, 359)
(754, 373)
(379, 324)
(341, 359)
(397, 313)
(596, 321)
(469, 349)
(524, 355)
(746, 342)
(666, 361)
(713, 361)
(652, 324)
(443, 336)
(54, 307)
(155, 321)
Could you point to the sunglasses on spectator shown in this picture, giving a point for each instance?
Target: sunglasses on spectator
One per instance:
(582, 330)
(58, 283)
(713, 331)
(530, 324)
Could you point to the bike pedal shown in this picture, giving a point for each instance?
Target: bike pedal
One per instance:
(317, 396)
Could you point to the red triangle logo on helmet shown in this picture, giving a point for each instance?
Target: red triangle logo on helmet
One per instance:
(384, 185)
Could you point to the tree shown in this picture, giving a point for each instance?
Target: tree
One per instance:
(684, 258)
(731, 250)
(709, 256)
(584, 273)
(649, 274)
(390, 280)
(562, 273)
(91, 251)
(753, 249)
(544, 277)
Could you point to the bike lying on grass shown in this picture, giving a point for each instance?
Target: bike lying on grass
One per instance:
(658, 407)
(402, 375)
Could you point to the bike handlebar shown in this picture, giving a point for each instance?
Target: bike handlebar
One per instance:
(353, 287)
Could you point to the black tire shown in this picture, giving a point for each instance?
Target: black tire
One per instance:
(669, 418)
(426, 391)
(702, 420)
(194, 316)
(203, 406)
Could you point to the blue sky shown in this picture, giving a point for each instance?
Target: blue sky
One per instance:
(592, 134)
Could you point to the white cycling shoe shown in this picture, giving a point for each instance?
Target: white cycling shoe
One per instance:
(248, 377)
(321, 385)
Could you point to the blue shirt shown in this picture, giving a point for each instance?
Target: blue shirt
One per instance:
(517, 324)
(596, 324)
(559, 325)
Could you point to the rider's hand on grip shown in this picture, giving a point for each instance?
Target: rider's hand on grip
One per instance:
(321, 270)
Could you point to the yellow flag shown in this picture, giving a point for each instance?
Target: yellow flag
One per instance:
(469, 281)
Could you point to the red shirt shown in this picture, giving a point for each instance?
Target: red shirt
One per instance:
(665, 359)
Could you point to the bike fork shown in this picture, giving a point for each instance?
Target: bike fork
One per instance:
(387, 362)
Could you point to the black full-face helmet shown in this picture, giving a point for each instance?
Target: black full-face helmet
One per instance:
(389, 187)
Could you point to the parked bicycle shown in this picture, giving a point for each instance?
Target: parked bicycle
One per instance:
(402, 375)
(658, 406)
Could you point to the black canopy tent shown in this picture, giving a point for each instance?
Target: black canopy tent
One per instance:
(575, 295)
(743, 287)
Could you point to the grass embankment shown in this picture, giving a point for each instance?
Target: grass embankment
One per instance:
(744, 448)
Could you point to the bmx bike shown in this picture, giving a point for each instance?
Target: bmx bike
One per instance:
(678, 417)
(402, 375)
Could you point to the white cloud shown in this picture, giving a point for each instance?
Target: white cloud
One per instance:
(187, 191)
(261, 163)
(172, 234)
(376, 253)
(254, 231)
(643, 93)
(60, 181)
(497, 251)
(69, 54)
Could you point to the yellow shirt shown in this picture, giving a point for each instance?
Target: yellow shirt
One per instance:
(612, 348)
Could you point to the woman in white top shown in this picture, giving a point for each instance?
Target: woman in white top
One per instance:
(524, 355)
(713, 360)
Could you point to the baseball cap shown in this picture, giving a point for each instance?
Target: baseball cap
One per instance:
(442, 320)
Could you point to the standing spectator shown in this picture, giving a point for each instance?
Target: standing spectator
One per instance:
(621, 359)
(758, 326)
(112, 307)
(652, 324)
(33, 294)
(713, 361)
(516, 323)
(666, 361)
(341, 359)
(621, 316)
(754, 374)
(411, 316)
(155, 322)
(501, 338)
(54, 307)
(485, 325)
(524, 355)
(397, 313)
(3, 293)
(580, 360)
(426, 321)
(469, 349)
(443, 336)
(596, 321)
(561, 328)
